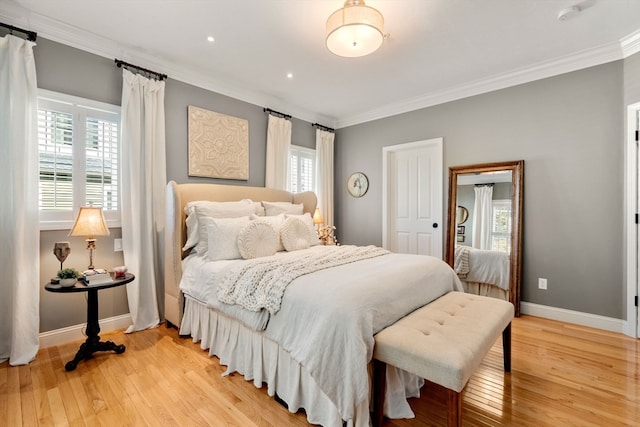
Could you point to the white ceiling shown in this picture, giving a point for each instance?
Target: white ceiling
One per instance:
(437, 50)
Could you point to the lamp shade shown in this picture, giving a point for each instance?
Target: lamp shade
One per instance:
(355, 30)
(317, 217)
(90, 222)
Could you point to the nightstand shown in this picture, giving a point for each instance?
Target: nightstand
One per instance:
(93, 343)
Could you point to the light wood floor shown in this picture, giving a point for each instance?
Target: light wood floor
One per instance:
(563, 375)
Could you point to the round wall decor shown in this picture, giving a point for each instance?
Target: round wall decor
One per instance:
(357, 184)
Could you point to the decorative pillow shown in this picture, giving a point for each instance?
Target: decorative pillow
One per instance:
(275, 208)
(223, 237)
(257, 239)
(197, 235)
(295, 234)
(306, 218)
(275, 222)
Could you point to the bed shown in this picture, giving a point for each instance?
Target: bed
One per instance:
(483, 272)
(313, 347)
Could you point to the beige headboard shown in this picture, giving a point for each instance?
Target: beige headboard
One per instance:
(177, 196)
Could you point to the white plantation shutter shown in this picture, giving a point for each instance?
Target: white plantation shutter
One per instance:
(102, 164)
(55, 143)
(79, 155)
(501, 226)
(301, 169)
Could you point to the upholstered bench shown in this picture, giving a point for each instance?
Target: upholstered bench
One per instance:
(443, 342)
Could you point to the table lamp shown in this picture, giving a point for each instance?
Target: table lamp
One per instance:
(317, 219)
(90, 222)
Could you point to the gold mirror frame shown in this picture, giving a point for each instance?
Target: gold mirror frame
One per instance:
(517, 189)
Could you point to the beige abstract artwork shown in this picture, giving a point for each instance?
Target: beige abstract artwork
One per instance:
(218, 145)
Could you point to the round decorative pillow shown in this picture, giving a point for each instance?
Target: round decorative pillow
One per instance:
(257, 239)
(294, 234)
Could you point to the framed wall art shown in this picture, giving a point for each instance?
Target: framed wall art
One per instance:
(218, 145)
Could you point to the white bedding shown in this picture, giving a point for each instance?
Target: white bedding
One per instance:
(199, 282)
(489, 267)
(328, 318)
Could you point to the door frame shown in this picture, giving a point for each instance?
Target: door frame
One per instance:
(631, 326)
(386, 192)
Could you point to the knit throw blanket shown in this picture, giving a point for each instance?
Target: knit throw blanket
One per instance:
(461, 261)
(259, 283)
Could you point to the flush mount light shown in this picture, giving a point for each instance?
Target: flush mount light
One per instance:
(211, 39)
(355, 30)
(289, 75)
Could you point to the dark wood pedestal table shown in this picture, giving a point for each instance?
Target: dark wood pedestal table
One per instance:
(93, 343)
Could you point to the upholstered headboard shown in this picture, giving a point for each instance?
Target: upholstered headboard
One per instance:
(177, 196)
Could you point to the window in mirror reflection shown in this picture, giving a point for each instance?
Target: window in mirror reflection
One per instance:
(501, 226)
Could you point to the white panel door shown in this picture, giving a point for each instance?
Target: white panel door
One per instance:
(413, 198)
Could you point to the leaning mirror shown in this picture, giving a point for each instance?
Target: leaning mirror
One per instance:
(485, 248)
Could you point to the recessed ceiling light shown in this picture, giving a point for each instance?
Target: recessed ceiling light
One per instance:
(211, 39)
(569, 12)
(289, 75)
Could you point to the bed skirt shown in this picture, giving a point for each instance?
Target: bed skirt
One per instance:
(485, 290)
(261, 360)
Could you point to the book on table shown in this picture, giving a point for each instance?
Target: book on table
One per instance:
(96, 277)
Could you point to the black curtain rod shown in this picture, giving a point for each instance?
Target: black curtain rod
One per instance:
(322, 127)
(31, 35)
(490, 184)
(276, 113)
(160, 76)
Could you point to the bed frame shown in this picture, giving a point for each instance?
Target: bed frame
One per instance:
(177, 196)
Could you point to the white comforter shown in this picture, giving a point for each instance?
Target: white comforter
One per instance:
(489, 267)
(328, 318)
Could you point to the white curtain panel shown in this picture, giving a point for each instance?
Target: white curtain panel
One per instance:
(19, 222)
(324, 174)
(144, 178)
(482, 217)
(277, 162)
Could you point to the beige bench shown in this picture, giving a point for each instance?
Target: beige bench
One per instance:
(443, 342)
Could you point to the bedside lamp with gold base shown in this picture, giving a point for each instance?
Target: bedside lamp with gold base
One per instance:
(90, 223)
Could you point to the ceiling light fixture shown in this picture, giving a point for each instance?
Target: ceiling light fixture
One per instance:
(355, 30)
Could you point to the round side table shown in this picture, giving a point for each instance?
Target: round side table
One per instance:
(93, 343)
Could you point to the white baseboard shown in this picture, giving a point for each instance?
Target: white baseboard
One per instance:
(76, 332)
(576, 317)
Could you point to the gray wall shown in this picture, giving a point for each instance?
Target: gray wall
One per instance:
(68, 70)
(632, 79)
(569, 131)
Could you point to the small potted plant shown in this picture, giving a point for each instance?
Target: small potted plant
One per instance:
(68, 276)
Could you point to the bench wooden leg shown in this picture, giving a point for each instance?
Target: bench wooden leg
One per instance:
(506, 347)
(379, 386)
(454, 408)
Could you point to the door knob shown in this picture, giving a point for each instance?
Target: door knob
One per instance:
(435, 225)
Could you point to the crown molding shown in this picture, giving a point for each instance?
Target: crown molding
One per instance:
(630, 44)
(588, 58)
(72, 36)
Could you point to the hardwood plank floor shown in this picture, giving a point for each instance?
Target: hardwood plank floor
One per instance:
(562, 375)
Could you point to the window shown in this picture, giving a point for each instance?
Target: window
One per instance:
(79, 146)
(501, 226)
(302, 165)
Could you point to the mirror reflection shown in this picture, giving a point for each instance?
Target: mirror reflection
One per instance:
(484, 239)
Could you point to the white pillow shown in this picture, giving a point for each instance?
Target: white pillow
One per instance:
(197, 235)
(295, 234)
(306, 218)
(275, 222)
(257, 239)
(223, 237)
(275, 208)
